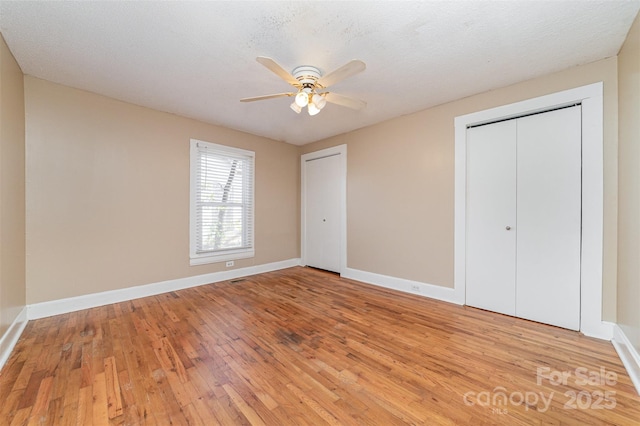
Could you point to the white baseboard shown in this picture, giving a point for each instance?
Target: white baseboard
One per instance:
(445, 294)
(602, 330)
(10, 338)
(628, 354)
(72, 304)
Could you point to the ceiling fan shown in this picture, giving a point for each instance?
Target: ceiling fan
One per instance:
(311, 85)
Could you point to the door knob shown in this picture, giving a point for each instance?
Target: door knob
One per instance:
(508, 228)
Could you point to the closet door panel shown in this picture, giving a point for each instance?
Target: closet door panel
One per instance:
(549, 217)
(322, 213)
(490, 209)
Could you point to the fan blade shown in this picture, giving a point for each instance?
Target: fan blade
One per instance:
(261, 98)
(345, 101)
(347, 70)
(277, 69)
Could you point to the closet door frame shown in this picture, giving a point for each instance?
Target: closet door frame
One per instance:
(591, 98)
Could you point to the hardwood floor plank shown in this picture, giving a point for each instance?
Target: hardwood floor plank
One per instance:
(166, 406)
(130, 405)
(21, 417)
(169, 359)
(114, 400)
(314, 405)
(225, 411)
(249, 413)
(31, 391)
(9, 405)
(85, 406)
(306, 347)
(87, 364)
(41, 404)
(100, 410)
(54, 413)
(252, 378)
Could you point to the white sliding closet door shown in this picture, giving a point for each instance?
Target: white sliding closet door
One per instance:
(524, 217)
(549, 217)
(491, 193)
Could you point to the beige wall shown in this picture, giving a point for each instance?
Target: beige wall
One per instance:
(108, 193)
(400, 182)
(629, 186)
(107, 198)
(12, 193)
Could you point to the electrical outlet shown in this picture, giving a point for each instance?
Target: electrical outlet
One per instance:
(415, 288)
(229, 263)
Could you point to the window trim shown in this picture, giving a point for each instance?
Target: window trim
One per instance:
(225, 255)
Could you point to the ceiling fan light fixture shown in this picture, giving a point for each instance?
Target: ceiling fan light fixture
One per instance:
(319, 101)
(307, 80)
(302, 99)
(297, 108)
(313, 109)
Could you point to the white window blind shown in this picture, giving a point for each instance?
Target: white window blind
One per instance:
(221, 203)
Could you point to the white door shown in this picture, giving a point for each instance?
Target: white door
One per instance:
(322, 212)
(524, 217)
(549, 217)
(491, 217)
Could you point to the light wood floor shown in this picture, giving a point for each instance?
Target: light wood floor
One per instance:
(301, 346)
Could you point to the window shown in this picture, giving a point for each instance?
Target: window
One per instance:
(221, 222)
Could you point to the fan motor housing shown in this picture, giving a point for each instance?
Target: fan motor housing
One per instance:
(306, 74)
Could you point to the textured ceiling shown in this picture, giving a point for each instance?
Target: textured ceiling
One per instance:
(197, 59)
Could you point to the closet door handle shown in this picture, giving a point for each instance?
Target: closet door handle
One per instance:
(508, 228)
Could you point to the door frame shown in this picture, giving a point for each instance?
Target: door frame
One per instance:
(340, 150)
(591, 98)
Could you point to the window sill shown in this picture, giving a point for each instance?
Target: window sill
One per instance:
(204, 259)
